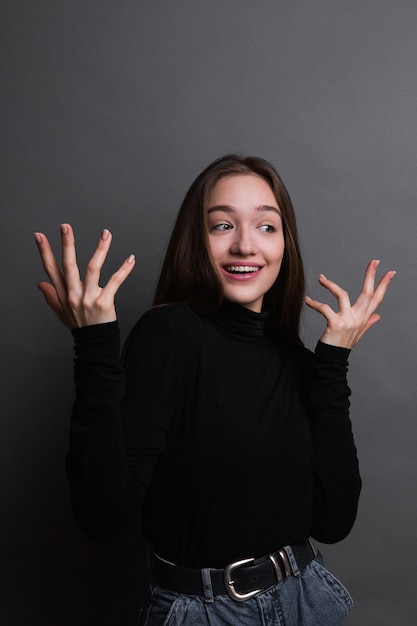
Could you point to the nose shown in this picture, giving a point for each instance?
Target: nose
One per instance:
(244, 243)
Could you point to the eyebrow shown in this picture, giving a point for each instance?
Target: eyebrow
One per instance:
(229, 209)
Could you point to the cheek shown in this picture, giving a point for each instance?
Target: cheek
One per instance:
(277, 252)
(215, 248)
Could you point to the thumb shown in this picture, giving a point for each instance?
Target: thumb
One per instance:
(51, 297)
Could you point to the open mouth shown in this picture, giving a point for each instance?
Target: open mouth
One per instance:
(241, 269)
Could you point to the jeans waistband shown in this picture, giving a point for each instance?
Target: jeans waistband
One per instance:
(241, 580)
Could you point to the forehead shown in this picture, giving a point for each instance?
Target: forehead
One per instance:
(242, 191)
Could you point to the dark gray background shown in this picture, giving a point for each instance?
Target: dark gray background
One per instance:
(109, 110)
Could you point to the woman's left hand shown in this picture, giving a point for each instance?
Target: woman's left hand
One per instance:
(350, 323)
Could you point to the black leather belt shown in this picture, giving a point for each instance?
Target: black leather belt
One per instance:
(241, 580)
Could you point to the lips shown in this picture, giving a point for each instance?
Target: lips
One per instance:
(241, 269)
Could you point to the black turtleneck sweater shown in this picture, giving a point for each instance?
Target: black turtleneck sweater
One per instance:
(229, 442)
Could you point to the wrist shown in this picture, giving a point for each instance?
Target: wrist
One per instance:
(337, 342)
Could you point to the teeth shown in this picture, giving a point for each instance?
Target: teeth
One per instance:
(241, 269)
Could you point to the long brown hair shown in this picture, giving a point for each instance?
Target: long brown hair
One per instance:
(188, 274)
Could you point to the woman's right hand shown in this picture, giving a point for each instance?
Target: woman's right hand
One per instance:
(78, 303)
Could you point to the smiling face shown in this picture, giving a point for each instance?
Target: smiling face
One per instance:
(246, 237)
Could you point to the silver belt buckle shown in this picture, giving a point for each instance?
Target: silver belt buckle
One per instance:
(235, 595)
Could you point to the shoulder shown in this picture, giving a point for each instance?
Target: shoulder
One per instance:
(176, 317)
(296, 353)
(170, 325)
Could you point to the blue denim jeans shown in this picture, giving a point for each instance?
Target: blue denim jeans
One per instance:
(314, 597)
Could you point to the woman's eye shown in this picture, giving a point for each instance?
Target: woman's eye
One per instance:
(221, 227)
(267, 228)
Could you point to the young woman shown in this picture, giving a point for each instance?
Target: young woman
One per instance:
(230, 439)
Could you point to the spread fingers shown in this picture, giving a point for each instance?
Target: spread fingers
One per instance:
(50, 265)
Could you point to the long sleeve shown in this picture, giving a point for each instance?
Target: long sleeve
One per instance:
(119, 422)
(201, 403)
(337, 482)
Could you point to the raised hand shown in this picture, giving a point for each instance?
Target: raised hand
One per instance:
(78, 303)
(350, 323)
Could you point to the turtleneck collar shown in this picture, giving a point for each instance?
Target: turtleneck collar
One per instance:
(239, 322)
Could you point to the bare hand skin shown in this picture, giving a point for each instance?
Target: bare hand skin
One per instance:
(350, 323)
(78, 303)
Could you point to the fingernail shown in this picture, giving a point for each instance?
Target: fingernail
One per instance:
(38, 237)
(323, 276)
(105, 234)
(376, 263)
(64, 228)
(392, 274)
(130, 258)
